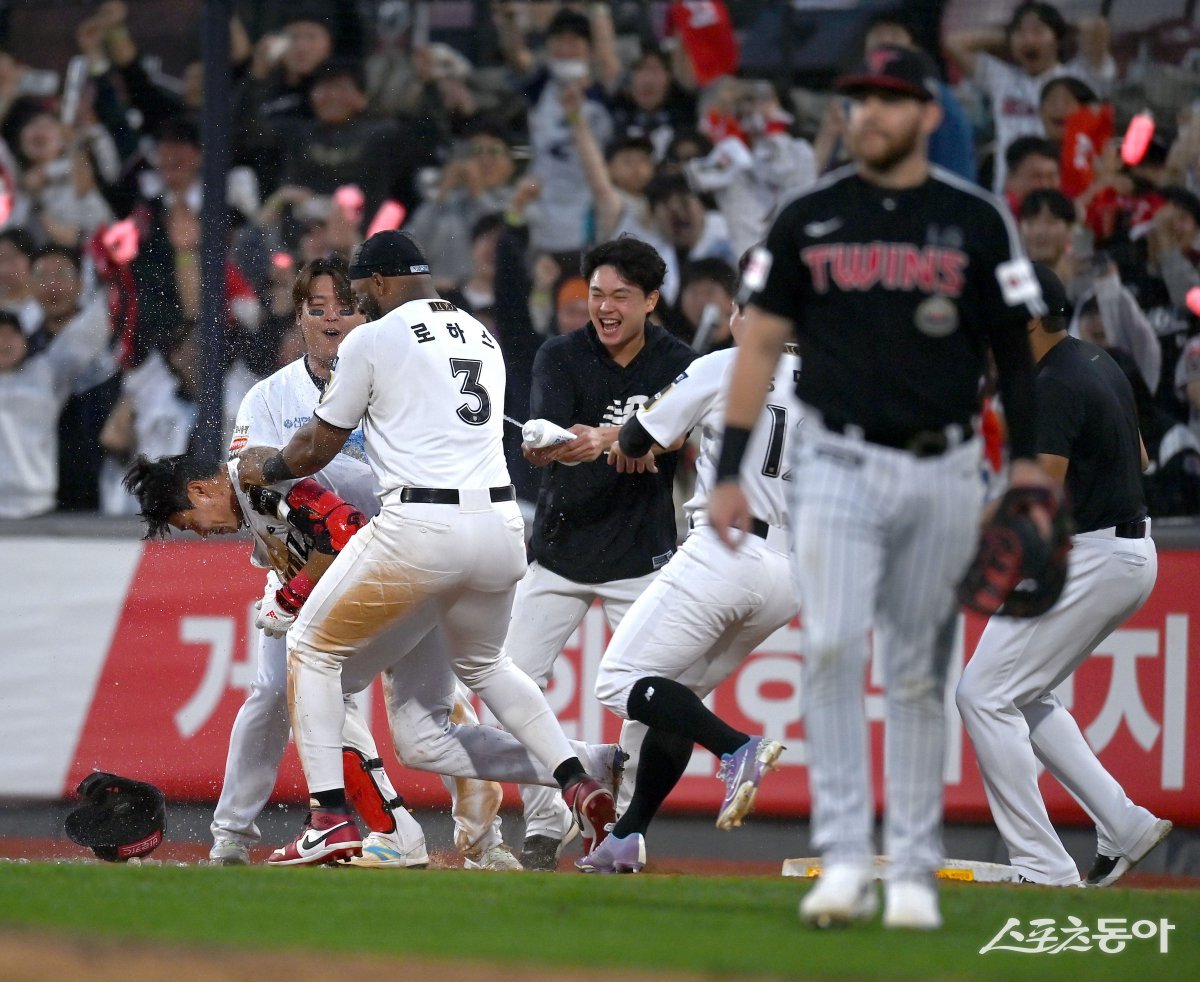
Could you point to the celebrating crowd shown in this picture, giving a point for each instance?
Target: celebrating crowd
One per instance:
(586, 128)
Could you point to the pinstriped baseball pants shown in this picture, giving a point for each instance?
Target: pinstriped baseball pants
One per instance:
(881, 540)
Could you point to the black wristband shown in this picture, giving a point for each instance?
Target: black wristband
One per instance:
(733, 449)
(634, 440)
(276, 470)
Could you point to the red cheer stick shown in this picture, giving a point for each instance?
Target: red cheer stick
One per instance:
(391, 215)
(1137, 138)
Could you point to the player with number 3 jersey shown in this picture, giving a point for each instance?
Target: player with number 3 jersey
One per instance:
(426, 381)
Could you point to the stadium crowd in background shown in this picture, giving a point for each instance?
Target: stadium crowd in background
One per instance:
(586, 125)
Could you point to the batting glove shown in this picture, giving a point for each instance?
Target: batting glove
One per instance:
(277, 612)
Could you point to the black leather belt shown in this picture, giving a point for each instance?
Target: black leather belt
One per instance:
(922, 443)
(1131, 530)
(449, 496)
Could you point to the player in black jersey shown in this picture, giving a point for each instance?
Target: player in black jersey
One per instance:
(1087, 438)
(597, 533)
(895, 278)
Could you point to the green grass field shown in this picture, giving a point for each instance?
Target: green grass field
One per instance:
(740, 927)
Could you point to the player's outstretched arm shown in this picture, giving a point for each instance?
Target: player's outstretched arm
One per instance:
(311, 448)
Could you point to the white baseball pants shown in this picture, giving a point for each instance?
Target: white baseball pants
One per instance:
(547, 609)
(257, 743)
(1014, 719)
(458, 562)
(881, 539)
(703, 614)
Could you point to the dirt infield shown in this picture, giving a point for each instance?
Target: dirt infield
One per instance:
(37, 957)
(40, 850)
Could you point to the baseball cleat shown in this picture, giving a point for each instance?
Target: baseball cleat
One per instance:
(843, 894)
(742, 771)
(593, 808)
(228, 852)
(541, 852)
(498, 859)
(615, 769)
(1106, 870)
(911, 905)
(327, 836)
(616, 855)
(387, 850)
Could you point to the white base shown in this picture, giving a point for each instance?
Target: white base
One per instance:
(964, 870)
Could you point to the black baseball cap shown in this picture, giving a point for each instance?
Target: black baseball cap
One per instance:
(892, 69)
(1054, 294)
(388, 253)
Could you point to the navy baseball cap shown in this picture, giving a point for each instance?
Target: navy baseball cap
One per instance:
(892, 69)
(388, 253)
(1054, 294)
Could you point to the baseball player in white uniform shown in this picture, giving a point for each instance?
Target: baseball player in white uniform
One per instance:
(706, 611)
(426, 381)
(260, 732)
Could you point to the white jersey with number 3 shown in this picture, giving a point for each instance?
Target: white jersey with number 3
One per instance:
(427, 382)
(697, 398)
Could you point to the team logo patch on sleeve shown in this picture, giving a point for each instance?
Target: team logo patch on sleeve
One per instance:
(236, 445)
(757, 270)
(1018, 282)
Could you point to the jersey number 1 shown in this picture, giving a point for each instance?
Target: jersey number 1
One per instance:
(774, 456)
(470, 369)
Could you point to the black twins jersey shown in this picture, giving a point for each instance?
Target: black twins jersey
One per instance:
(895, 295)
(592, 524)
(1086, 413)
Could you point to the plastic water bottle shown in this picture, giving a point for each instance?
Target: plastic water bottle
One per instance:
(538, 433)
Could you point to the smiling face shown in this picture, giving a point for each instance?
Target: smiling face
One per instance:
(324, 320)
(618, 309)
(1045, 236)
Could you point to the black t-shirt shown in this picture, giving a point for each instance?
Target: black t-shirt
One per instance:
(1087, 414)
(594, 525)
(895, 296)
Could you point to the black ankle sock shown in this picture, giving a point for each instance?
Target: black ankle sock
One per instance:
(666, 705)
(664, 758)
(569, 772)
(335, 799)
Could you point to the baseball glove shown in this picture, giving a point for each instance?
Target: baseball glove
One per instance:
(1019, 570)
(118, 818)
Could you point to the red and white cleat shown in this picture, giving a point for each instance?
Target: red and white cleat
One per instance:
(327, 836)
(594, 810)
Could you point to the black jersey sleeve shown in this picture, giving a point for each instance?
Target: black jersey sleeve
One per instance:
(1060, 415)
(551, 393)
(1010, 296)
(774, 278)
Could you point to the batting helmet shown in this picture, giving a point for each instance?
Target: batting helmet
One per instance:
(118, 818)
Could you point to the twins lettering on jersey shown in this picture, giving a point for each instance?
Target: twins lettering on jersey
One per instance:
(619, 412)
(892, 265)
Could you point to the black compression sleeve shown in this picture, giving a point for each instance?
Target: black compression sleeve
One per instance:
(733, 449)
(276, 470)
(634, 440)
